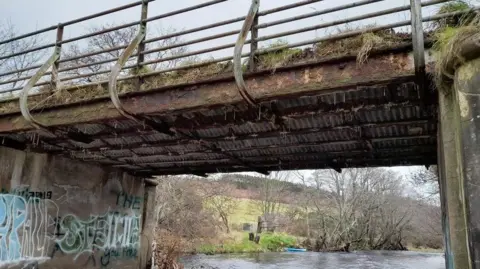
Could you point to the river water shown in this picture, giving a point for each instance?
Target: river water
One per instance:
(312, 260)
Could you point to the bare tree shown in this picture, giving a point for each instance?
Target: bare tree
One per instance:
(113, 39)
(218, 200)
(427, 178)
(180, 209)
(273, 189)
(16, 64)
(362, 206)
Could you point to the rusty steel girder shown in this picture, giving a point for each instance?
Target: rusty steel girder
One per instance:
(307, 78)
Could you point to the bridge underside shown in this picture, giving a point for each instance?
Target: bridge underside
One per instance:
(328, 114)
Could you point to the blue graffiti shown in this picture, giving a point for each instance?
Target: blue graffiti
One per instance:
(12, 217)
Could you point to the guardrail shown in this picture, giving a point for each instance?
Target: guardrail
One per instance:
(61, 68)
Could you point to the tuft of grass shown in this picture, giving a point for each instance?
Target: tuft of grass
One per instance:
(362, 44)
(139, 71)
(455, 21)
(448, 36)
(280, 56)
(369, 40)
(453, 6)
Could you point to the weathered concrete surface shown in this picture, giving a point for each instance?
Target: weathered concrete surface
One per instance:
(58, 213)
(467, 87)
(302, 79)
(451, 184)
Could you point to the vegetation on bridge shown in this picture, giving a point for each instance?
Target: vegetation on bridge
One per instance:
(450, 35)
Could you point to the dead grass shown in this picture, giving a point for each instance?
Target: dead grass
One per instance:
(167, 250)
(456, 21)
(448, 37)
(362, 44)
(279, 57)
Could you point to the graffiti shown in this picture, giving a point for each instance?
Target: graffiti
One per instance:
(107, 232)
(29, 218)
(32, 232)
(129, 201)
(27, 194)
(13, 213)
(125, 253)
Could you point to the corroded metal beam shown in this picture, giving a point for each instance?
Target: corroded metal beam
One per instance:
(359, 143)
(298, 165)
(259, 135)
(302, 79)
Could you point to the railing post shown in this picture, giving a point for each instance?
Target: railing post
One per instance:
(418, 42)
(237, 53)
(252, 61)
(55, 78)
(141, 46)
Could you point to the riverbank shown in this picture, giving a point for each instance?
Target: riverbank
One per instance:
(240, 243)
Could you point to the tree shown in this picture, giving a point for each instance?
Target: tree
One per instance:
(273, 193)
(364, 207)
(217, 199)
(16, 64)
(427, 178)
(114, 39)
(180, 209)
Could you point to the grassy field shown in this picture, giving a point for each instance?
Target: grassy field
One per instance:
(247, 211)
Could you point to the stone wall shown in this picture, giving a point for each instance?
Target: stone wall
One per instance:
(60, 213)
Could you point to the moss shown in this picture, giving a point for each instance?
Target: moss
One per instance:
(280, 56)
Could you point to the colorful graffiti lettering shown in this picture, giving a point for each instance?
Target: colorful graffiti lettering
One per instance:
(29, 218)
(13, 213)
(31, 230)
(110, 231)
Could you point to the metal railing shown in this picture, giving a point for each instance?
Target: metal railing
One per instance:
(63, 68)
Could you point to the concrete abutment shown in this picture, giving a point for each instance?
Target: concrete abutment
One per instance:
(459, 150)
(60, 213)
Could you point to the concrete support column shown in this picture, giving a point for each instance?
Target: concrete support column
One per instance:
(467, 88)
(451, 186)
(149, 223)
(460, 144)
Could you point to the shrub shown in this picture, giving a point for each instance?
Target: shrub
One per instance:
(277, 241)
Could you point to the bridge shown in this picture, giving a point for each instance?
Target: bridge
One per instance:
(360, 97)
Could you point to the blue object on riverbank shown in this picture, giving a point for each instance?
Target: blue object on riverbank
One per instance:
(295, 250)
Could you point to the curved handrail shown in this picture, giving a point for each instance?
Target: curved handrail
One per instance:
(30, 84)
(112, 80)
(112, 87)
(237, 55)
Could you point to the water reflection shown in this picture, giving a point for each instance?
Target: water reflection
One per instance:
(310, 260)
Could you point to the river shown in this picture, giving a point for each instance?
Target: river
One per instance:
(312, 260)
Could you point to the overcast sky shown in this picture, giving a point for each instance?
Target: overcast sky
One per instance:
(29, 15)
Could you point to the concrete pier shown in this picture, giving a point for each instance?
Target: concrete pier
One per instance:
(459, 103)
(60, 213)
